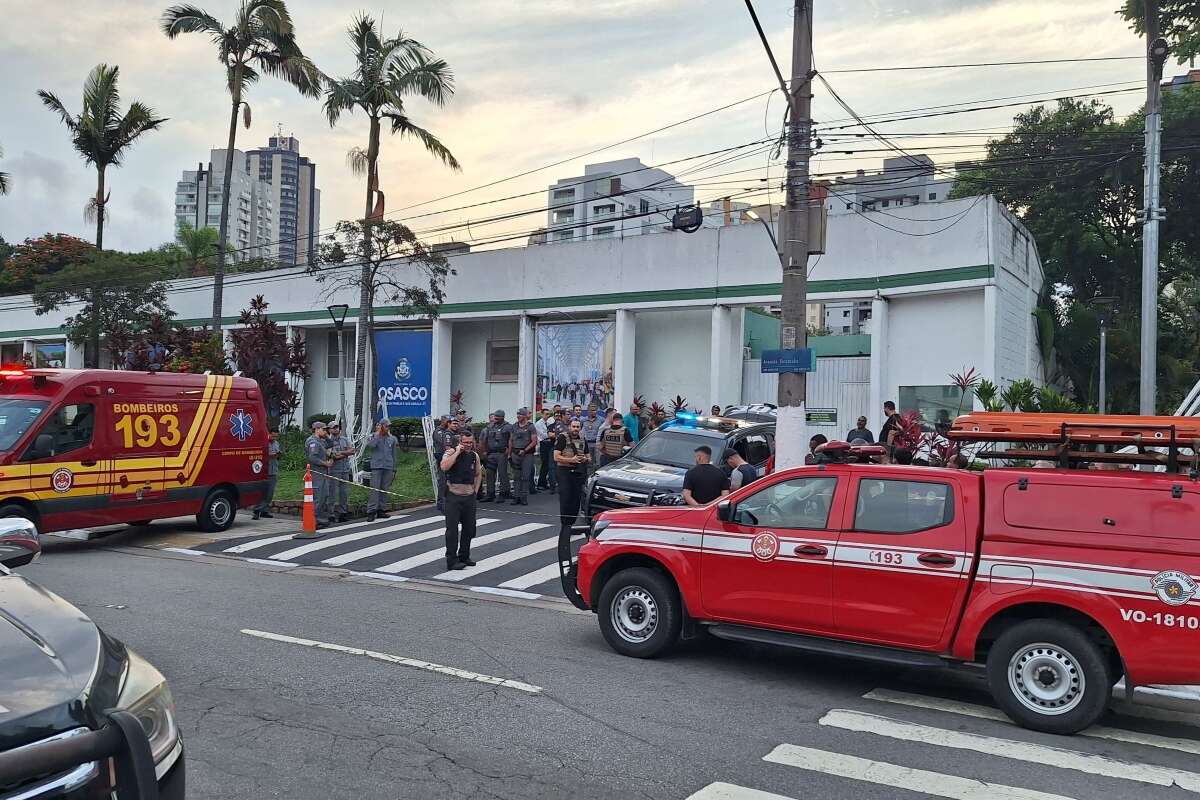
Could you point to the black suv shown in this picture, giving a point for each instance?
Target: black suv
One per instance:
(71, 697)
(652, 472)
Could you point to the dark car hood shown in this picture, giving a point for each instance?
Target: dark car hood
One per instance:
(57, 669)
(633, 473)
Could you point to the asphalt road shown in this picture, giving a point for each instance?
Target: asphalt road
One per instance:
(266, 716)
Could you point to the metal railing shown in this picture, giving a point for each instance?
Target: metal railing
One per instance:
(122, 739)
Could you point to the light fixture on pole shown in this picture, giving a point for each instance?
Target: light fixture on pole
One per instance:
(338, 314)
(1103, 307)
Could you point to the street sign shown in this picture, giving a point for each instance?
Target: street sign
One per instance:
(778, 361)
(821, 416)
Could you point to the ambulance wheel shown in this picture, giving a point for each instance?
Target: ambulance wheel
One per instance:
(640, 613)
(9, 510)
(1049, 676)
(217, 513)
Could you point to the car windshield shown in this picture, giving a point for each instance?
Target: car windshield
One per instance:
(675, 447)
(15, 418)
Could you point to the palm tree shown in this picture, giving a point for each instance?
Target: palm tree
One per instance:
(4, 179)
(386, 71)
(197, 246)
(101, 133)
(262, 40)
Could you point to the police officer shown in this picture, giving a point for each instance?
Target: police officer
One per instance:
(343, 474)
(316, 454)
(382, 449)
(522, 443)
(495, 447)
(441, 436)
(461, 465)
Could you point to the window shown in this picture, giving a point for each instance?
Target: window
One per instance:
(564, 216)
(933, 195)
(331, 355)
(15, 418)
(69, 429)
(11, 353)
(606, 210)
(605, 232)
(868, 206)
(937, 405)
(564, 236)
(798, 503)
(896, 506)
(754, 448)
(885, 203)
(614, 185)
(502, 359)
(644, 206)
(564, 195)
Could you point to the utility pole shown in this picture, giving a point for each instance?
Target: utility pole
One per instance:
(791, 434)
(1156, 56)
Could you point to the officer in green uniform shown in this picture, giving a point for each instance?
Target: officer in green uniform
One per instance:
(339, 489)
(522, 442)
(316, 454)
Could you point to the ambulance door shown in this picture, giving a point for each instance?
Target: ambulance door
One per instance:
(140, 433)
(68, 468)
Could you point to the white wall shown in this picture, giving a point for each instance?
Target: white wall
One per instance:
(468, 368)
(673, 354)
(320, 391)
(839, 382)
(929, 337)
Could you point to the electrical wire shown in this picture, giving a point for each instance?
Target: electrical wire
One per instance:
(904, 67)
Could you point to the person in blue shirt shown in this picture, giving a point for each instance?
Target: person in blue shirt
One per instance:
(633, 420)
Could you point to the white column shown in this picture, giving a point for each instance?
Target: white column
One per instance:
(624, 359)
(74, 358)
(721, 359)
(879, 377)
(526, 362)
(27, 350)
(440, 388)
(990, 368)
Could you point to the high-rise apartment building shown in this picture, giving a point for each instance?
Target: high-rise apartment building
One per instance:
(293, 182)
(253, 228)
(613, 200)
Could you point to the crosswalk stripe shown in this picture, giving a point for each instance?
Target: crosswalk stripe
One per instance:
(507, 557)
(546, 573)
(434, 555)
(883, 773)
(246, 547)
(394, 544)
(728, 791)
(984, 712)
(362, 523)
(325, 544)
(1010, 748)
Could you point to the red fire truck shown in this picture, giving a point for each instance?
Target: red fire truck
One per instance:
(88, 448)
(1062, 575)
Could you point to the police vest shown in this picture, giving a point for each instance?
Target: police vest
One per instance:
(495, 438)
(521, 438)
(612, 443)
(464, 469)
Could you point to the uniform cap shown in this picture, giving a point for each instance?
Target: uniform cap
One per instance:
(318, 425)
(522, 412)
(498, 413)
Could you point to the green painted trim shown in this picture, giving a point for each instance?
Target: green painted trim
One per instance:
(714, 293)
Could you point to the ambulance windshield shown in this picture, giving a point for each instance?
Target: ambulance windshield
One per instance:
(16, 416)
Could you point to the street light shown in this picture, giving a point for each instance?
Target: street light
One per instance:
(1103, 307)
(338, 314)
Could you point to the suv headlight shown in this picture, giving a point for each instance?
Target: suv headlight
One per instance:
(145, 695)
(671, 499)
(588, 486)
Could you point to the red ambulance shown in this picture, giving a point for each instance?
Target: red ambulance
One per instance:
(89, 448)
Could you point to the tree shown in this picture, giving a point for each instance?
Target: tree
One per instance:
(262, 352)
(261, 40)
(101, 133)
(110, 292)
(386, 263)
(39, 258)
(5, 180)
(199, 245)
(1178, 21)
(386, 72)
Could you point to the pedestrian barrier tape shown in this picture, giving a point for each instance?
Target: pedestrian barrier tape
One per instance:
(423, 499)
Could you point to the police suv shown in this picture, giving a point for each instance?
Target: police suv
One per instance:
(651, 474)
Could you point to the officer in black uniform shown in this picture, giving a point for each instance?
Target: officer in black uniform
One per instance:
(461, 467)
(495, 448)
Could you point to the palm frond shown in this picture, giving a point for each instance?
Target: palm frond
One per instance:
(364, 37)
(403, 126)
(272, 14)
(357, 161)
(430, 78)
(187, 18)
(341, 95)
(5, 183)
(291, 65)
(51, 101)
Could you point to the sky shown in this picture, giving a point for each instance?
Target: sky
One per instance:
(537, 82)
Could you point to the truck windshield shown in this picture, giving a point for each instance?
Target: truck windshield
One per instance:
(15, 418)
(675, 447)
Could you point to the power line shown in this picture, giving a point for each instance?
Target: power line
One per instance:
(906, 67)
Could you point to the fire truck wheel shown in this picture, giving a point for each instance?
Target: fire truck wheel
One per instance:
(16, 510)
(217, 513)
(1049, 676)
(640, 613)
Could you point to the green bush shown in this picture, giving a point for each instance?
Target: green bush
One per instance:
(326, 418)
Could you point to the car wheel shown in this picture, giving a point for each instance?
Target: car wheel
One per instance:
(640, 613)
(218, 512)
(9, 510)
(1049, 676)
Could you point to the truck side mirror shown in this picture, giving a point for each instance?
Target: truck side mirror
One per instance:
(725, 511)
(19, 543)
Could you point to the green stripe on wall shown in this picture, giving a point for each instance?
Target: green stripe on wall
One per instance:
(978, 272)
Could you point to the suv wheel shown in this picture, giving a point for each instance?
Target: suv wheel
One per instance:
(1049, 676)
(217, 513)
(640, 613)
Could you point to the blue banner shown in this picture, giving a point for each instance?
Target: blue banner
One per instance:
(405, 372)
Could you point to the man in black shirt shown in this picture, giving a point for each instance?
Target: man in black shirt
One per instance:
(704, 482)
(742, 473)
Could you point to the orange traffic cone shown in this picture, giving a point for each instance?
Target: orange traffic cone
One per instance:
(309, 517)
